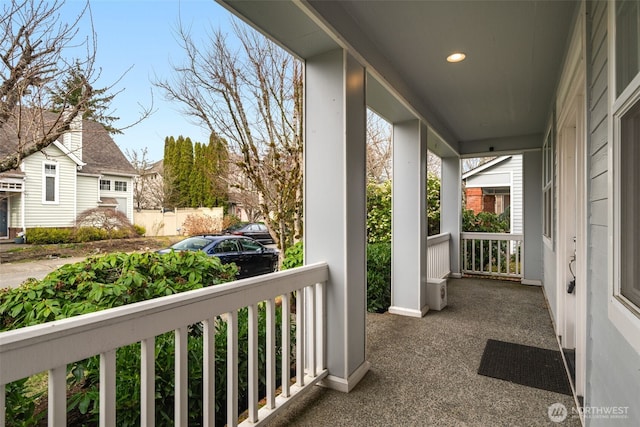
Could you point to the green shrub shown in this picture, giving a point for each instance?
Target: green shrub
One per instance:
(114, 280)
(378, 277)
(378, 272)
(140, 230)
(379, 212)
(89, 234)
(46, 236)
(293, 256)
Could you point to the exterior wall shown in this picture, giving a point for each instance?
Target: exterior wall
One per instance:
(126, 195)
(60, 214)
(87, 193)
(613, 378)
(504, 174)
(171, 223)
(474, 199)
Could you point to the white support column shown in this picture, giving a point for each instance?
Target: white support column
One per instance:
(532, 218)
(451, 208)
(409, 220)
(335, 206)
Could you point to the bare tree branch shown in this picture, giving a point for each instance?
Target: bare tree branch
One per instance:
(38, 55)
(252, 98)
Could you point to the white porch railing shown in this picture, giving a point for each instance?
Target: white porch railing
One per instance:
(51, 346)
(438, 257)
(492, 254)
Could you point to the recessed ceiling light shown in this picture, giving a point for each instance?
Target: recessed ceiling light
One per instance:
(456, 57)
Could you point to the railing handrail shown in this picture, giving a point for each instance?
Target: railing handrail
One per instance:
(491, 236)
(438, 238)
(27, 351)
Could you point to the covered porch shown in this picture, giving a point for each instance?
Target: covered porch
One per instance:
(425, 371)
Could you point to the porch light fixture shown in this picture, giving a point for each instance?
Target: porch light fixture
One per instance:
(456, 57)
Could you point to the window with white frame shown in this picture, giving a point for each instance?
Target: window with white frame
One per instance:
(105, 184)
(624, 307)
(120, 185)
(50, 183)
(548, 161)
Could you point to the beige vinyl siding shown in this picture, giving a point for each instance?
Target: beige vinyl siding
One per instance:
(87, 197)
(128, 195)
(60, 214)
(15, 207)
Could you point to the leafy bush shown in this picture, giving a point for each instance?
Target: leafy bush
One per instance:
(140, 230)
(89, 234)
(293, 256)
(378, 272)
(378, 277)
(485, 222)
(46, 236)
(379, 212)
(433, 204)
(114, 280)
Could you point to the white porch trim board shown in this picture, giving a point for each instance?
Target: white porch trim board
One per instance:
(335, 204)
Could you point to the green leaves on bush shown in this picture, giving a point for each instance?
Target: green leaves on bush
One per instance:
(293, 256)
(49, 236)
(379, 212)
(114, 280)
(378, 277)
(108, 281)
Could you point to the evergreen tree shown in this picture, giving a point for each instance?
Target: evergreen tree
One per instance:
(171, 196)
(198, 190)
(71, 91)
(184, 166)
(217, 154)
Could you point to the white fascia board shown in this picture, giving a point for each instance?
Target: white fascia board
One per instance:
(485, 166)
(68, 153)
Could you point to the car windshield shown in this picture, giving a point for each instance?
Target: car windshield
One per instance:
(191, 244)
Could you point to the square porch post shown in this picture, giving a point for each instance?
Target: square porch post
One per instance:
(451, 209)
(409, 220)
(335, 206)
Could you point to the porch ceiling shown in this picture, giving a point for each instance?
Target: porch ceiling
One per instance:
(499, 96)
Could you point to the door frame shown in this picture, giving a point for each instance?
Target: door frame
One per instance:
(4, 198)
(572, 223)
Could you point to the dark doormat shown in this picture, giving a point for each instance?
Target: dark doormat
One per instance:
(522, 364)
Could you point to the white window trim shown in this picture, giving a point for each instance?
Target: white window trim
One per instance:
(115, 186)
(624, 318)
(56, 191)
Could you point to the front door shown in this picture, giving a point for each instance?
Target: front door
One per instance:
(4, 216)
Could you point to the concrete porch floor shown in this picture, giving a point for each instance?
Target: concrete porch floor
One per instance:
(424, 371)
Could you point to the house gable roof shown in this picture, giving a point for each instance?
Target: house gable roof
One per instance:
(485, 166)
(100, 152)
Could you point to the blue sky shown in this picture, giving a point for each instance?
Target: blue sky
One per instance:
(140, 33)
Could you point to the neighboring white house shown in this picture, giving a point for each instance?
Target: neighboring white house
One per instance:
(495, 187)
(82, 170)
